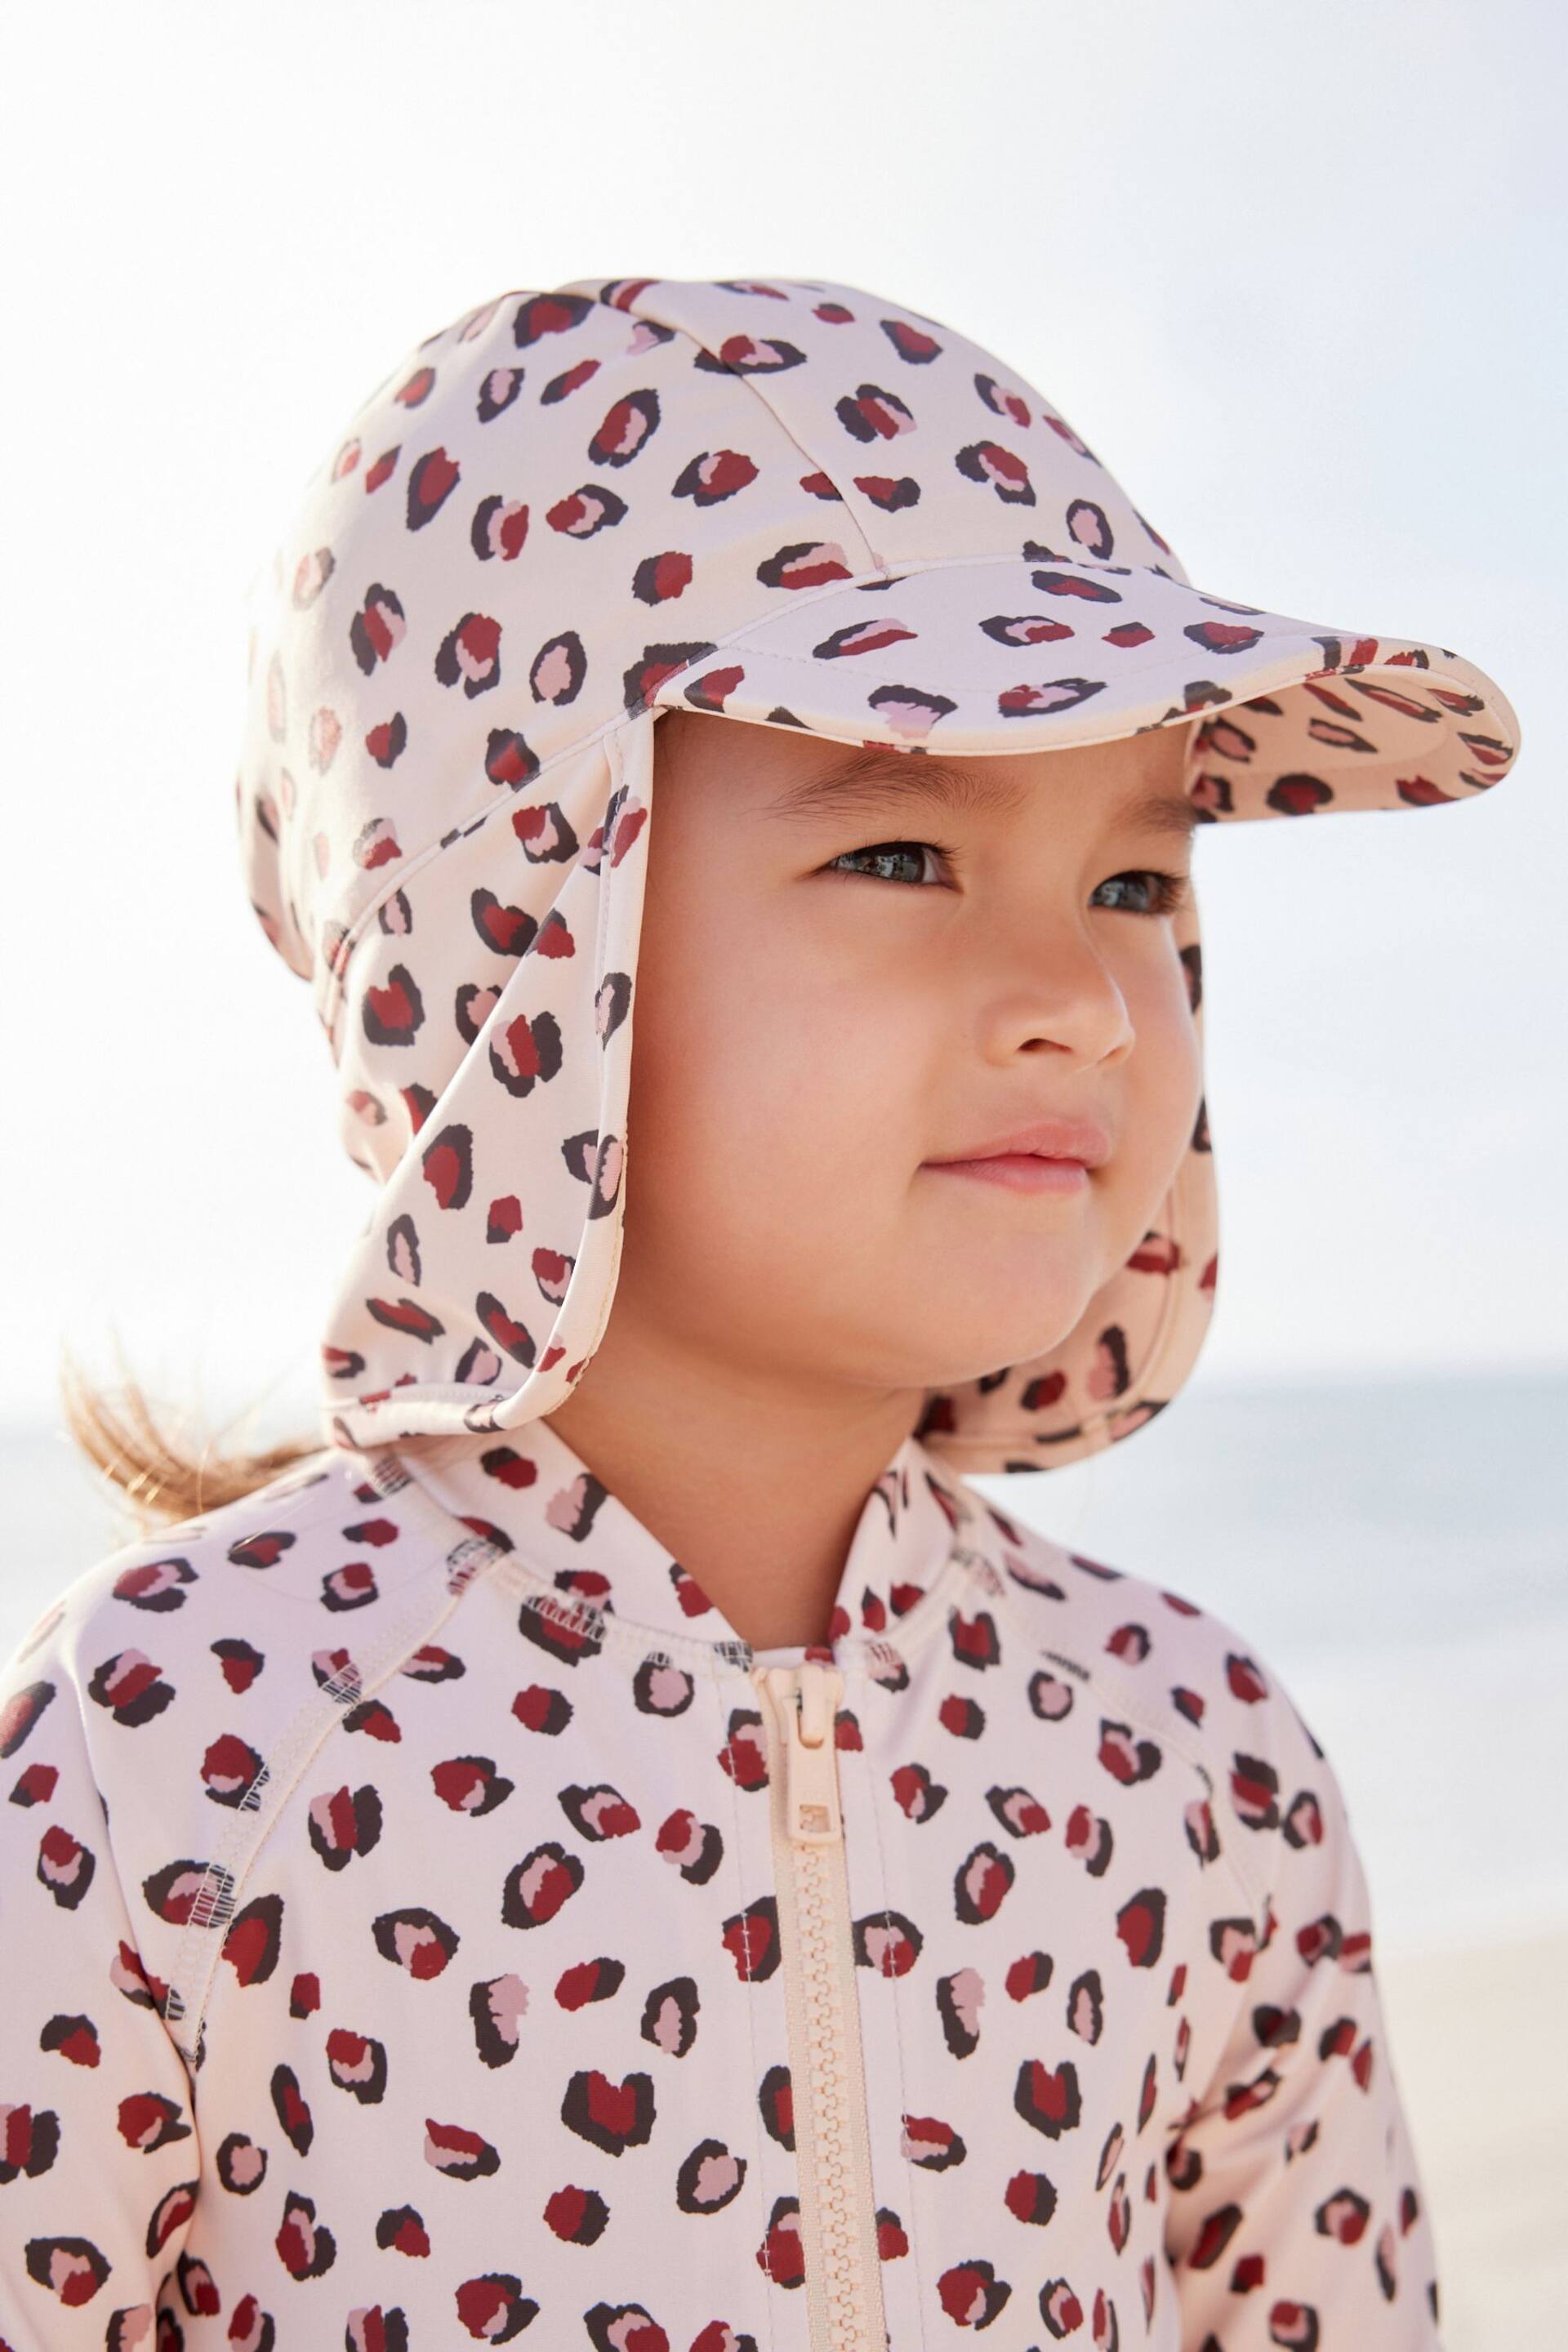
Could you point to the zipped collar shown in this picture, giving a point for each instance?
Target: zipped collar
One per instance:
(534, 1496)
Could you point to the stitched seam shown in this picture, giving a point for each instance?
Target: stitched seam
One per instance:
(1157, 663)
(512, 1572)
(615, 762)
(1100, 1677)
(720, 1659)
(305, 1733)
(405, 868)
(163, 2015)
(612, 1633)
(739, 1883)
(911, 2186)
(922, 1623)
(852, 505)
(753, 384)
(335, 978)
(801, 601)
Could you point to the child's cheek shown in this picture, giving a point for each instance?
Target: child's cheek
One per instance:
(1159, 1098)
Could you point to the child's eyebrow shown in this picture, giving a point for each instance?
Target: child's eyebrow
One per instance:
(870, 778)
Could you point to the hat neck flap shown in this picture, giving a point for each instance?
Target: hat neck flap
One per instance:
(489, 1101)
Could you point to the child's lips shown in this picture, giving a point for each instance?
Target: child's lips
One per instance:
(1058, 1137)
(1020, 1172)
(1053, 1154)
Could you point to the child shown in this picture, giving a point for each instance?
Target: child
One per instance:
(621, 1845)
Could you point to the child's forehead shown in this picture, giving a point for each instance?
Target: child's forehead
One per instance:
(809, 779)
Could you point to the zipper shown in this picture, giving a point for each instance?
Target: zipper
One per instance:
(832, 2136)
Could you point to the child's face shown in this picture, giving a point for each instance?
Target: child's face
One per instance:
(806, 1038)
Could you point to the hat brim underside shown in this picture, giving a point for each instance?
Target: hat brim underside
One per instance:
(988, 656)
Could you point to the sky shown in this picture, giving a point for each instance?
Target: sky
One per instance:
(1297, 276)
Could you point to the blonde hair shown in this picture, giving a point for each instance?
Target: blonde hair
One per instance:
(156, 1479)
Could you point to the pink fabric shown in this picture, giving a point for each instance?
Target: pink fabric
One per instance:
(423, 1984)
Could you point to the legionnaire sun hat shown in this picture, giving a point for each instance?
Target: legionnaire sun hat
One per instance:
(792, 504)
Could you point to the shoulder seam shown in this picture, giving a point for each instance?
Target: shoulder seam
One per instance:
(1110, 1681)
(217, 1898)
(73, 1682)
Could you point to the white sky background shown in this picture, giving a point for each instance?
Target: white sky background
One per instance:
(1296, 273)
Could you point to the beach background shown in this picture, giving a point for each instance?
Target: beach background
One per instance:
(1394, 1552)
(1300, 282)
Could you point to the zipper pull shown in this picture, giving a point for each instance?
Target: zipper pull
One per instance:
(811, 1768)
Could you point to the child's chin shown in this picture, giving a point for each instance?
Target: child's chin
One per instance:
(970, 1345)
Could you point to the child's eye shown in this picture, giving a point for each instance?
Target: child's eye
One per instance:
(886, 853)
(1170, 890)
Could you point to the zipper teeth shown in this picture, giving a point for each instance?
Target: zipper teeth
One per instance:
(843, 2279)
(844, 2255)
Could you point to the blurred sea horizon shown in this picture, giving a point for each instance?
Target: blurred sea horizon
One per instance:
(1395, 1550)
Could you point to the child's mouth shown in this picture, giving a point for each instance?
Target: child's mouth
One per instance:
(1024, 1172)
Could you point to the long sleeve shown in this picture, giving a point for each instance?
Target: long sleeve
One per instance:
(98, 2154)
(1297, 2218)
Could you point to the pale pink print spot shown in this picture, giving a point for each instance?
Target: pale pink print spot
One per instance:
(325, 735)
(566, 1508)
(966, 1990)
(717, 2177)
(552, 675)
(667, 2027)
(907, 716)
(667, 1688)
(506, 2000)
